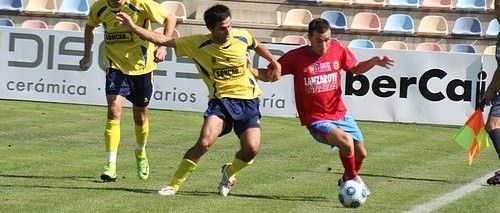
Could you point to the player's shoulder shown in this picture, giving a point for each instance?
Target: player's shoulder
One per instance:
(239, 32)
(336, 43)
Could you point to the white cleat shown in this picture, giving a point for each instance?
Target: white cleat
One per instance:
(225, 183)
(167, 191)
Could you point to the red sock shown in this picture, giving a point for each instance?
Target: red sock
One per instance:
(349, 165)
(359, 164)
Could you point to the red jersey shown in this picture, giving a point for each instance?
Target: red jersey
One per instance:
(318, 92)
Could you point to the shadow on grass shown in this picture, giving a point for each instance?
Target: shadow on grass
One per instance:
(48, 177)
(268, 197)
(142, 191)
(405, 178)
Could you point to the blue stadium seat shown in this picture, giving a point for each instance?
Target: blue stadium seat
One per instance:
(403, 3)
(5, 22)
(399, 24)
(472, 5)
(462, 48)
(74, 7)
(467, 26)
(493, 29)
(11, 5)
(361, 43)
(336, 19)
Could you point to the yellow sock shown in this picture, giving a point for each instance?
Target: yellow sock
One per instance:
(236, 166)
(112, 139)
(141, 137)
(183, 171)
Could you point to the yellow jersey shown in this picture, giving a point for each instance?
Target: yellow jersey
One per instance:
(124, 50)
(223, 67)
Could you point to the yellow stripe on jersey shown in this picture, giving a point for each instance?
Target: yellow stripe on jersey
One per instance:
(223, 68)
(123, 50)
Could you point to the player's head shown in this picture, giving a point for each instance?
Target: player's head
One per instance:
(319, 35)
(218, 21)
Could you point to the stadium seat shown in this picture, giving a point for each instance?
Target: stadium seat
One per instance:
(66, 26)
(365, 22)
(177, 8)
(297, 18)
(336, 19)
(40, 7)
(394, 45)
(39, 24)
(399, 24)
(493, 29)
(11, 5)
(467, 26)
(74, 7)
(429, 46)
(176, 33)
(5, 22)
(294, 39)
(433, 26)
(99, 29)
(462, 48)
(361, 43)
(470, 5)
(437, 4)
(403, 3)
(490, 50)
(491, 5)
(337, 2)
(370, 3)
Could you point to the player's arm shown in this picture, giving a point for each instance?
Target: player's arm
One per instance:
(168, 30)
(364, 66)
(157, 38)
(273, 72)
(494, 86)
(88, 39)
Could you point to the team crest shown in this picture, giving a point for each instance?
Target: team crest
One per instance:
(336, 65)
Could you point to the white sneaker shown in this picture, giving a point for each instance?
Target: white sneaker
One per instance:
(167, 190)
(359, 180)
(225, 182)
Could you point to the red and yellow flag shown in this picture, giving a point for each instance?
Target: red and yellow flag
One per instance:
(472, 135)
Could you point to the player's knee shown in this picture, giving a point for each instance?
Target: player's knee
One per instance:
(203, 145)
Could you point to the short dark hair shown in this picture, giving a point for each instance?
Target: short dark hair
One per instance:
(214, 14)
(318, 25)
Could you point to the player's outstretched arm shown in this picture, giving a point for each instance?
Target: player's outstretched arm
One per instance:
(364, 66)
(273, 72)
(157, 38)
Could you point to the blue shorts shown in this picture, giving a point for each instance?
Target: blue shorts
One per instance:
(135, 88)
(321, 128)
(240, 113)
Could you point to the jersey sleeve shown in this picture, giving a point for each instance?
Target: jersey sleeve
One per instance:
(349, 60)
(93, 19)
(287, 63)
(154, 11)
(184, 47)
(245, 36)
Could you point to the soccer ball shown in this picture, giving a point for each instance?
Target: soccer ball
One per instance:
(352, 194)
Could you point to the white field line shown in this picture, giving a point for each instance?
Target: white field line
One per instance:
(452, 196)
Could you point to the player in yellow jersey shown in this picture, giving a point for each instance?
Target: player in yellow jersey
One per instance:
(130, 62)
(233, 91)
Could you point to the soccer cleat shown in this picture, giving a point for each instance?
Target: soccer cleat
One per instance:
(109, 174)
(167, 191)
(495, 179)
(226, 183)
(142, 168)
(357, 179)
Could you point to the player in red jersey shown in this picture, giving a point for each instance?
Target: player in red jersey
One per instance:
(318, 95)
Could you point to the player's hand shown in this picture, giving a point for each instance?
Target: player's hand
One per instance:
(384, 61)
(125, 20)
(275, 68)
(84, 63)
(160, 54)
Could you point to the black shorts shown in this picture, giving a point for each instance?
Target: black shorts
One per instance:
(135, 88)
(238, 113)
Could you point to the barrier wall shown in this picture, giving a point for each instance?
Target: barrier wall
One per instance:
(422, 87)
